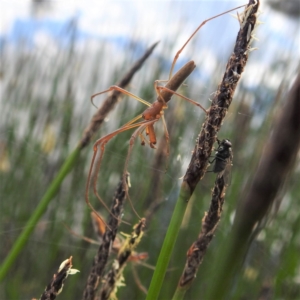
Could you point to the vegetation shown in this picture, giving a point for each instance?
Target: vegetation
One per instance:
(45, 110)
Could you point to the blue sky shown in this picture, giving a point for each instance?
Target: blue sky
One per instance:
(145, 22)
(155, 19)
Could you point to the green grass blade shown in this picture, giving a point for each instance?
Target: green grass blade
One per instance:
(169, 242)
(37, 214)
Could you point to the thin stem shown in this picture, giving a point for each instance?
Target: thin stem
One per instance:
(169, 242)
(39, 211)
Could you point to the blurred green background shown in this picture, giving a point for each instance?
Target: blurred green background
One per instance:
(44, 109)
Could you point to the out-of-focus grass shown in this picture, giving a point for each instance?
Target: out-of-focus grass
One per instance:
(45, 107)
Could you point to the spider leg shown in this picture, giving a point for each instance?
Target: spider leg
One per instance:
(136, 133)
(93, 175)
(133, 120)
(183, 97)
(117, 88)
(137, 280)
(211, 161)
(202, 24)
(87, 188)
(91, 241)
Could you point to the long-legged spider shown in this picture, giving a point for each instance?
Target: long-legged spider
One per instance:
(151, 115)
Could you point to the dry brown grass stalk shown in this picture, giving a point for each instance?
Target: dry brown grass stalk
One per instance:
(222, 98)
(111, 100)
(56, 285)
(108, 238)
(209, 224)
(114, 278)
(277, 162)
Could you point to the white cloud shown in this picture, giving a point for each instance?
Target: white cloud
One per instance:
(10, 11)
(44, 41)
(150, 21)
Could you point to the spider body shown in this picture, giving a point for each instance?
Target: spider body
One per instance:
(155, 111)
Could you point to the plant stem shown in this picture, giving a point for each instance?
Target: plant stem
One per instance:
(37, 214)
(169, 242)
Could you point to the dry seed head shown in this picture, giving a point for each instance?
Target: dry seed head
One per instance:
(254, 37)
(257, 23)
(249, 32)
(133, 239)
(236, 75)
(67, 264)
(113, 280)
(57, 283)
(245, 15)
(237, 16)
(250, 50)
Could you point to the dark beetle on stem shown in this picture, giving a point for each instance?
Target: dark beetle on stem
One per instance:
(223, 156)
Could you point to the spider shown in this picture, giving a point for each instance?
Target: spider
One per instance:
(151, 115)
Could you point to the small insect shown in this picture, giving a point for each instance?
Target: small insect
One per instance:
(145, 129)
(223, 156)
(223, 160)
